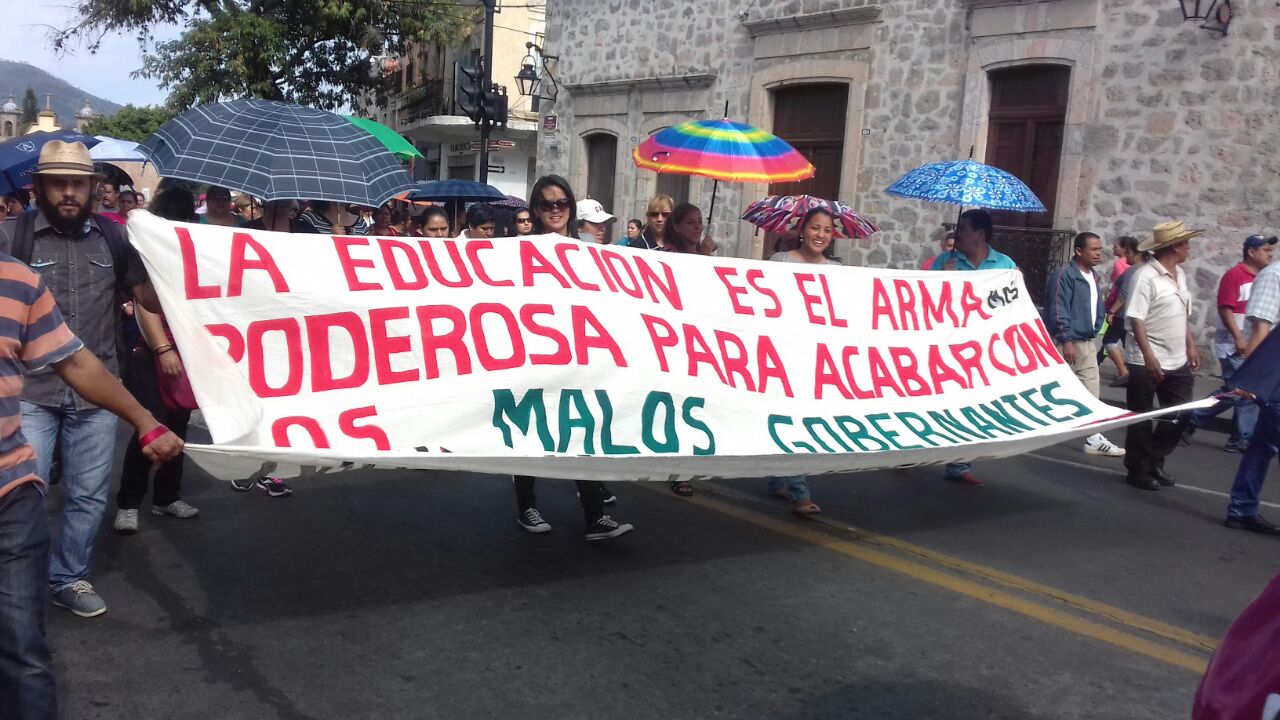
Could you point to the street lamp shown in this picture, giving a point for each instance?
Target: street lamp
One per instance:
(1216, 14)
(531, 82)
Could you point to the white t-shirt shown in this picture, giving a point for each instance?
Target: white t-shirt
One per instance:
(1093, 291)
(1161, 300)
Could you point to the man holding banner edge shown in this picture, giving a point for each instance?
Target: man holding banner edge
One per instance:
(972, 251)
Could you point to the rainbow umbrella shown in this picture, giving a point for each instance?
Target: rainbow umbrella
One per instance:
(722, 150)
(781, 213)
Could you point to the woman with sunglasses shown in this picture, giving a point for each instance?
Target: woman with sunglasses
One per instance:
(522, 223)
(555, 212)
(656, 215)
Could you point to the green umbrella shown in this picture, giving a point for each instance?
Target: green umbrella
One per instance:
(398, 146)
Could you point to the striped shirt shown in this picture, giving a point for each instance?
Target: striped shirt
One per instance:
(32, 336)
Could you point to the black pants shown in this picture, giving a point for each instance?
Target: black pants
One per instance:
(591, 494)
(1146, 447)
(136, 473)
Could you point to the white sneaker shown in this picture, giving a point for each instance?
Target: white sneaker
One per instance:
(126, 522)
(1098, 444)
(177, 508)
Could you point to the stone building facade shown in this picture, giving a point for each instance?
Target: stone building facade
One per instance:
(1120, 111)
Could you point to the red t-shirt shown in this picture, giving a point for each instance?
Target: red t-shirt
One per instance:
(1233, 292)
(1233, 289)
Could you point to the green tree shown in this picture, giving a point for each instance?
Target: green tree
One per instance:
(30, 106)
(129, 123)
(322, 53)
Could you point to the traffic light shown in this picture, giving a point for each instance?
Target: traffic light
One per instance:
(468, 84)
(494, 107)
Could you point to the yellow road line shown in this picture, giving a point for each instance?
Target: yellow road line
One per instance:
(1124, 617)
(1007, 601)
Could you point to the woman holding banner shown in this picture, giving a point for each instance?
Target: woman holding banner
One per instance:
(555, 212)
(816, 231)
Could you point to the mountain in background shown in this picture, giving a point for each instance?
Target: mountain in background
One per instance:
(16, 77)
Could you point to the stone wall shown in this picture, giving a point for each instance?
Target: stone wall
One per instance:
(1165, 120)
(1187, 127)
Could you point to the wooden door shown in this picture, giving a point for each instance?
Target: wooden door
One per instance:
(812, 119)
(602, 154)
(1028, 114)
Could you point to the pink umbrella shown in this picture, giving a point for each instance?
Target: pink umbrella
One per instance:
(782, 213)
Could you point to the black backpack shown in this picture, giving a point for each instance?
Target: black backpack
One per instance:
(24, 240)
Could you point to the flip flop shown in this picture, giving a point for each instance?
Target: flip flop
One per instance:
(806, 508)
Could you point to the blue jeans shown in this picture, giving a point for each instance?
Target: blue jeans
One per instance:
(27, 690)
(1253, 465)
(1245, 415)
(953, 471)
(88, 450)
(796, 485)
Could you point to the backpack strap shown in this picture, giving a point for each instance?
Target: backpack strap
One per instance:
(118, 244)
(24, 237)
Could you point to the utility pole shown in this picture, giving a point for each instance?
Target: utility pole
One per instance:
(486, 87)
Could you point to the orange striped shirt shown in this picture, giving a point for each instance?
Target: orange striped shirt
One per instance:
(32, 335)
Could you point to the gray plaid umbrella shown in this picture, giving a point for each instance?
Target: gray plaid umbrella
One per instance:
(277, 151)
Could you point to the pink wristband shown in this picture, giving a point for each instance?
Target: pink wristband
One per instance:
(150, 437)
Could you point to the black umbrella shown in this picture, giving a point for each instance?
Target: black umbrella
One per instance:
(463, 190)
(277, 151)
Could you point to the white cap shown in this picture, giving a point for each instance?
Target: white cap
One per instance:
(592, 211)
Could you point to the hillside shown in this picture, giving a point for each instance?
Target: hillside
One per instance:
(16, 77)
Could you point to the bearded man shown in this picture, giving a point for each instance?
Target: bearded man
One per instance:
(84, 259)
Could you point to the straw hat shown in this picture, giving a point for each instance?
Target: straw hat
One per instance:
(64, 158)
(1167, 234)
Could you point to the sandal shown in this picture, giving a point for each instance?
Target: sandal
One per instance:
(681, 488)
(804, 508)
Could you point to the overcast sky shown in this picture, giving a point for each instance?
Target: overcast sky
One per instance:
(24, 37)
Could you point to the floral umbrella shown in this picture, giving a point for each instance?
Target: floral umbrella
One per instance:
(781, 214)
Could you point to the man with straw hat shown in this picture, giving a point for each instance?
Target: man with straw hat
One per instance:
(1160, 351)
(85, 260)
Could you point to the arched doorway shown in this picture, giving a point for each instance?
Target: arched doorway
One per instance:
(602, 153)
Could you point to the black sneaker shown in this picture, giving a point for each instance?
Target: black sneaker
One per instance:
(273, 486)
(605, 528)
(532, 521)
(1256, 523)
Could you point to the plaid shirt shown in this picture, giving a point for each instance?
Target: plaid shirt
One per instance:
(1264, 297)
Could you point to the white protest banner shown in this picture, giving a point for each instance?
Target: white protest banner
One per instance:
(549, 356)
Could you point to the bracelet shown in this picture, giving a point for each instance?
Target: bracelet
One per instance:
(167, 348)
(162, 348)
(150, 437)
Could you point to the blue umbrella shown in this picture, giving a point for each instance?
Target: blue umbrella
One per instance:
(19, 156)
(461, 190)
(1258, 374)
(110, 149)
(277, 151)
(967, 183)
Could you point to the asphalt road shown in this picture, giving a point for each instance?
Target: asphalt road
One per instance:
(1055, 592)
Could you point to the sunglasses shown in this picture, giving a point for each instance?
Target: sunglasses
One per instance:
(664, 213)
(523, 220)
(549, 205)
